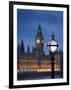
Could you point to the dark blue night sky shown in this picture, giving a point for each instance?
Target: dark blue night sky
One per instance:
(28, 22)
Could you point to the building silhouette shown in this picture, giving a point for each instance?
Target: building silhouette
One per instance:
(37, 61)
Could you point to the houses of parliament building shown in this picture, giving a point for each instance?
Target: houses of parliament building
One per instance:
(37, 61)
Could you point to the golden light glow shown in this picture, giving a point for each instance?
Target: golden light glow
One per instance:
(33, 66)
(43, 70)
(38, 41)
(37, 70)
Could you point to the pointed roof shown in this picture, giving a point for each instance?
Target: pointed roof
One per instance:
(22, 46)
(28, 49)
(39, 32)
(39, 28)
(53, 36)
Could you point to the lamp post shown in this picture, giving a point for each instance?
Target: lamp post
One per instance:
(52, 47)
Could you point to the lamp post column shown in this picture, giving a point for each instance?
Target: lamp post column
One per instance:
(52, 47)
(52, 65)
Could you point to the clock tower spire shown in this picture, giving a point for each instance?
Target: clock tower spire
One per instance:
(39, 39)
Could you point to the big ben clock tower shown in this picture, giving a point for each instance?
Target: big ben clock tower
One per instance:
(39, 40)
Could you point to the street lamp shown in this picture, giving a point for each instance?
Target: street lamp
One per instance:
(52, 47)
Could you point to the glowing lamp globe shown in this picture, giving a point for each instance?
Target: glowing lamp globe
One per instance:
(52, 46)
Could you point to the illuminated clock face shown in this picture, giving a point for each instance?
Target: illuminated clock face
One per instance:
(38, 41)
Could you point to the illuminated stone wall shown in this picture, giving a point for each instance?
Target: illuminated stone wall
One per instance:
(32, 64)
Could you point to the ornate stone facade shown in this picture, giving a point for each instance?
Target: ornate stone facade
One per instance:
(36, 60)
